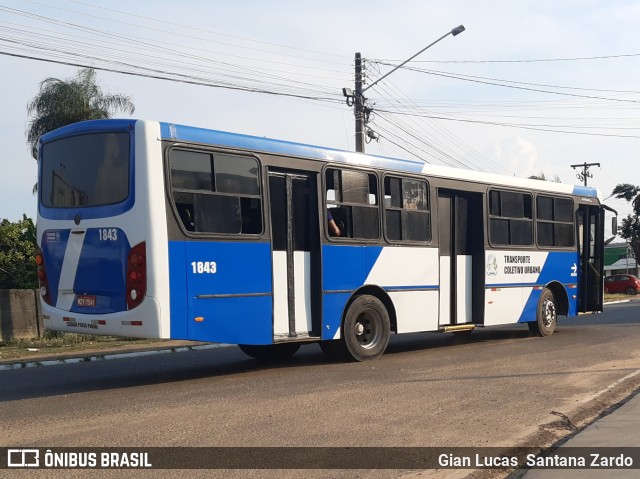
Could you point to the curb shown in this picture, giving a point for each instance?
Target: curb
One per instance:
(619, 301)
(107, 356)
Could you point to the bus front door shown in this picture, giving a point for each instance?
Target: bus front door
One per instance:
(295, 239)
(591, 250)
(461, 251)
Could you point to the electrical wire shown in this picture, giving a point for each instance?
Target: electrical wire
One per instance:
(542, 60)
(512, 125)
(494, 83)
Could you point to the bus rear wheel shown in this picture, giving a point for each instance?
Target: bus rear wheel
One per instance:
(366, 328)
(270, 352)
(546, 315)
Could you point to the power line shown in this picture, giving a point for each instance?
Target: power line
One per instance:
(540, 60)
(519, 82)
(191, 27)
(493, 83)
(510, 125)
(446, 134)
(160, 77)
(188, 27)
(146, 43)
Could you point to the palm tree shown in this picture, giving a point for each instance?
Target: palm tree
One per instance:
(62, 102)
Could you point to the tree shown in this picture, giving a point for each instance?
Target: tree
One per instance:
(62, 102)
(630, 229)
(543, 177)
(17, 254)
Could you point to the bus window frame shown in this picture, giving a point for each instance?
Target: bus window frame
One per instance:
(489, 216)
(428, 211)
(169, 191)
(574, 210)
(325, 205)
(86, 212)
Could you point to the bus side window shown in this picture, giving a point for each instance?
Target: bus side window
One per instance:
(216, 193)
(353, 196)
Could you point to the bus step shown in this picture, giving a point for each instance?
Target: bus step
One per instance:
(298, 338)
(459, 327)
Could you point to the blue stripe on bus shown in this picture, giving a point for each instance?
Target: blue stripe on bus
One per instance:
(522, 285)
(418, 287)
(268, 145)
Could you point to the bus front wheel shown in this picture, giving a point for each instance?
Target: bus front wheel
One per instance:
(270, 352)
(546, 315)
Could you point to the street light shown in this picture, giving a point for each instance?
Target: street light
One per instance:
(357, 99)
(456, 31)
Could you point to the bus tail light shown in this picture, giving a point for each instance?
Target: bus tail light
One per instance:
(136, 275)
(42, 277)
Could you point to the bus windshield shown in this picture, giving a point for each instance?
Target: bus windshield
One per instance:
(85, 171)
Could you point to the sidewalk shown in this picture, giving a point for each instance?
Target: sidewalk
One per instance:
(621, 428)
(117, 352)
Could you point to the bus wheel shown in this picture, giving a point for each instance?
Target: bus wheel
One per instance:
(366, 328)
(270, 352)
(546, 315)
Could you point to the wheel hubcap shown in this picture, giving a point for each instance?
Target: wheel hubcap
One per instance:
(549, 309)
(368, 329)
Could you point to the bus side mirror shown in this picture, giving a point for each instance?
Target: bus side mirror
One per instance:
(614, 225)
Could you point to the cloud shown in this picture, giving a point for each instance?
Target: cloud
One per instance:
(517, 155)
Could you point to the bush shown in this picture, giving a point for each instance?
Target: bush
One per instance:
(17, 254)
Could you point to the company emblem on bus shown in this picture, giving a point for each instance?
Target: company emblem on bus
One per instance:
(492, 265)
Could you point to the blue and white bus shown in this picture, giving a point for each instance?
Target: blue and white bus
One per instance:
(157, 230)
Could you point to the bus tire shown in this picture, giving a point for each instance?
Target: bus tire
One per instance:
(270, 352)
(546, 315)
(366, 328)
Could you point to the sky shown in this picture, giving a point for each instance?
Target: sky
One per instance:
(528, 87)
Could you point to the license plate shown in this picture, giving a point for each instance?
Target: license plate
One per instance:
(87, 301)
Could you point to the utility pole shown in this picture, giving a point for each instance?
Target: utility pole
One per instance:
(358, 106)
(357, 100)
(585, 171)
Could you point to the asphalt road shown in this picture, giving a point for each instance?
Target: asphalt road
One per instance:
(496, 387)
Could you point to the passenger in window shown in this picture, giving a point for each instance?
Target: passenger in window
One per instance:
(333, 227)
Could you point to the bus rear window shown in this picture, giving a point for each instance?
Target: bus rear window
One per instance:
(85, 170)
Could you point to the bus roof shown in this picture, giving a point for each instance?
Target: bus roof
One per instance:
(174, 132)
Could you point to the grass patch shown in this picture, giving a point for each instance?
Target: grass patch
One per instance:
(618, 297)
(55, 342)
